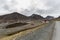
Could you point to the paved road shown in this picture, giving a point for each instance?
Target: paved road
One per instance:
(44, 33)
(40, 34)
(56, 34)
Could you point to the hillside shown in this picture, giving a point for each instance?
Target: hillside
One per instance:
(36, 17)
(13, 17)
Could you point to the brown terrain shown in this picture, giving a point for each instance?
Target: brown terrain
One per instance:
(14, 24)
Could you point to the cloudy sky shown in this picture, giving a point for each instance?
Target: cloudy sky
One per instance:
(51, 6)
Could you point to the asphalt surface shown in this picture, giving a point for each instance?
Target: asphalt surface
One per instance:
(56, 33)
(40, 34)
(50, 31)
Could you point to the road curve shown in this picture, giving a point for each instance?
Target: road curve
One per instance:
(40, 34)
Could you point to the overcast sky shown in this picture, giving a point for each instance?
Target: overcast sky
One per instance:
(52, 6)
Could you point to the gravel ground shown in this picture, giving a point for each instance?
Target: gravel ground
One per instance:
(4, 32)
(40, 34)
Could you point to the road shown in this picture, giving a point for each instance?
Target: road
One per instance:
(56, 33)
(50, 32)
(40, 34)
(47, 32)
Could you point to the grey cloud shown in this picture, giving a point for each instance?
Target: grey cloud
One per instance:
(7, 5)
(54, 4)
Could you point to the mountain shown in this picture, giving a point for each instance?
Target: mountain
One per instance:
(59, 17)
(13, 17)
(17, 17)
(49, 17)
(36, 17)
